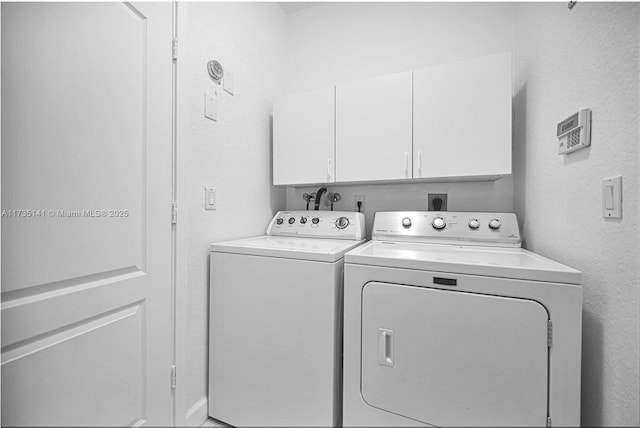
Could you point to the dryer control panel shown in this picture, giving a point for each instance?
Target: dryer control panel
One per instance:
(457, 228)
(318, 224)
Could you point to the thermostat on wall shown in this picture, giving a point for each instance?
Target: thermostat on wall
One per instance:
(215, 71)
(574, 133)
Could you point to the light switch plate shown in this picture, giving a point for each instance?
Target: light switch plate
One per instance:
(209, 198)
(227, 82)
(612, 197)
(210, 107)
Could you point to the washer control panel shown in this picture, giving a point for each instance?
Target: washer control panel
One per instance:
(471, 228)
(318, 224)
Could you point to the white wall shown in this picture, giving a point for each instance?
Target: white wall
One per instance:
(334, 43)
(567, 60)
(233, 155)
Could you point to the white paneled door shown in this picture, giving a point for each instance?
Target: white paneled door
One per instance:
(86, 214)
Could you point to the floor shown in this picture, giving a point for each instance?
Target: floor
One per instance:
(210, 423)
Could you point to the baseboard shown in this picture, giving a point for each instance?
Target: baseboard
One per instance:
(197, 414)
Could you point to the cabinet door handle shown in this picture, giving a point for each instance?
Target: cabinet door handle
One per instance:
(406, 163)
(419, 162)
(329, 168)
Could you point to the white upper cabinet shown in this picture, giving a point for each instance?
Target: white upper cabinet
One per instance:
(462, 119)
(373, 129)
(304, 137)
(443, 123)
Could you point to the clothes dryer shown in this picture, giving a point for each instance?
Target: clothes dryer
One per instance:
(448, 322)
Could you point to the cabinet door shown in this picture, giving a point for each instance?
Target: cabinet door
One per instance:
(462, 118)
(373, 129)
(303, 138)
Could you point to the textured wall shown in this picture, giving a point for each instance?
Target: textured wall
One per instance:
(567, 60)
(234, 154)
(334, 43)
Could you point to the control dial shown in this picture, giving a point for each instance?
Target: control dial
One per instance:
(495, 224)
(292, 220)
(279, 221)
(303, 220)
(438, 223)
(474, 224)
(406, 222)
(342, 222)
(315, 220)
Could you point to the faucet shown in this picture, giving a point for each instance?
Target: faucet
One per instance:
(308, 197)
(319, 196)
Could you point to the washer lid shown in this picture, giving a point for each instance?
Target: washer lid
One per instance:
(513, 263)
(313, 249)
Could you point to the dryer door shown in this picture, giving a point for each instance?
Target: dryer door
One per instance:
(450, 358)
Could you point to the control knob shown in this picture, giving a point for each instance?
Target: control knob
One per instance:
(495, 224)
(315, 220)
(292, 220)
(438, 223)
(279, 221)
(342, 222)
(474, 224)
(303, 220)
(406, 222)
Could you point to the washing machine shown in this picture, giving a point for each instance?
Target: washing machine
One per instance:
(449, 322)
(275, 336)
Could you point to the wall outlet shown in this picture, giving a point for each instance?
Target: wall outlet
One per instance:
(435, 196)
(358, 198)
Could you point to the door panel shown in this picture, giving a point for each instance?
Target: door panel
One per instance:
(67, 86)
(450, 358)
(373, 129)
(38, 375)
(86, 198)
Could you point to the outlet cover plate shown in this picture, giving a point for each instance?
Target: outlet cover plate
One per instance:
(432, 196)
(358, 198)
(210, 107)
(227, 82)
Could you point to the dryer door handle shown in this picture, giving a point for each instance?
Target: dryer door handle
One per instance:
(385, 347)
